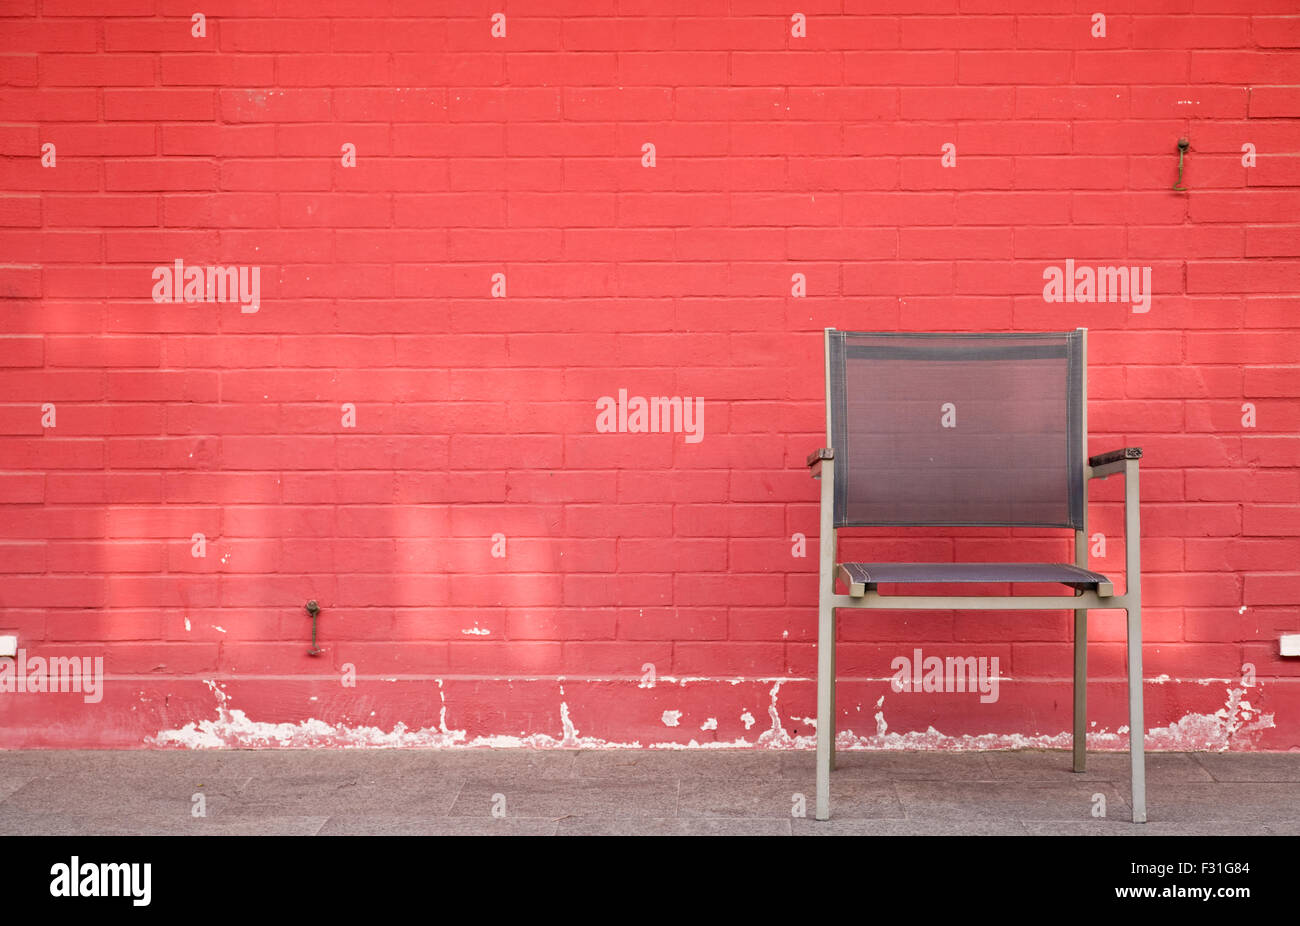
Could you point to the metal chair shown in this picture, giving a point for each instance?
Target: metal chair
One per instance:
(967, 429)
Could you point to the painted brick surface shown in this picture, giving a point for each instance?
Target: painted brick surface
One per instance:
(462, 243)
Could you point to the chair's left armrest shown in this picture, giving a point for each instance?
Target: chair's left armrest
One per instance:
(1112, 462)
(816, 458)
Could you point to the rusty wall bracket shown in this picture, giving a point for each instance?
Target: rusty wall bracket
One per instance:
(1183, 145)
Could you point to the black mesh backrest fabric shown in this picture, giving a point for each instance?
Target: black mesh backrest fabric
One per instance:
(1013, 454)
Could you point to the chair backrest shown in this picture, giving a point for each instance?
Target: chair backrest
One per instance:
(957, 429)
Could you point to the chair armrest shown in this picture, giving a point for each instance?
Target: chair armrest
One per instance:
(823, 453)
(1114, 456)
(1104, 465)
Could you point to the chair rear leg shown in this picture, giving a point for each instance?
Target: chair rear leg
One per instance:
(1136, 718)
(1080, 690)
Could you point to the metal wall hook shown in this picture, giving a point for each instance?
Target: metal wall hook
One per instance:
(313, 611)
(1183, 145)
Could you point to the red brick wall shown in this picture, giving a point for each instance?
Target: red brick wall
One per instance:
(627, 555)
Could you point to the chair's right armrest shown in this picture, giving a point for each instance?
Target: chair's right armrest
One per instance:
(815, 460)
(1113, 461)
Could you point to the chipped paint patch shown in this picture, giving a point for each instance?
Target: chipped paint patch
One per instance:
(672, 718)
(232, 728)
(1212, 731)
(1193, 732)
(776, 737)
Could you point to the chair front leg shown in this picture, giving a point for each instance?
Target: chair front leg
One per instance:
(1133, 592)
(1080, 690)
(825, 709)
(1136, 721)
(826, 641)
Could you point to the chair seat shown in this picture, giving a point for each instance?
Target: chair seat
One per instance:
(902, 573)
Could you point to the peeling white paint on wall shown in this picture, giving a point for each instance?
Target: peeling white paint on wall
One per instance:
(571, 737)
(233, 728)
(1212, 731)
(1193, 732)
(776, 737)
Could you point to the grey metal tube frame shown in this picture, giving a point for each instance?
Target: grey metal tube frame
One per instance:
(822, 464)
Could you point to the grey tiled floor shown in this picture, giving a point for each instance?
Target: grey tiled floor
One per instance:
(752, 792)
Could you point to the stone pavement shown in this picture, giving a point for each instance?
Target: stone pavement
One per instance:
(581, 792)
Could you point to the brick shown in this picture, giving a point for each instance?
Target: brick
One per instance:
(98, 70)
(1276, 276)
(286, 35)
(1275, 381)
(976, 31)
(49, 36)
(1131, 67)
(452, 69)
(1183, 31)
(252, 105)
(1276, 31)
(896, 67)
(663, 68)
(1013, 67)
(218, 71)
(159, 174)
(49, 105)
(1274, 102)
(19, 70)
(327, 70)
(1244, 67)
(142, 35)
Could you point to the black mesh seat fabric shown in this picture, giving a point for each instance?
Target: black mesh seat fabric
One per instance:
(902, 573)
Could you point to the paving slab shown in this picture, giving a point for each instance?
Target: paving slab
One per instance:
(1058, 765)
(673, 763)
(851, 798)
(1225, 803)
(1265, 766)
(103, 796)
(560, 799)
(878, 765)
(1022, 800)
(375, 825)
(1113, 826)
(23, 823)
(323, 794)
(9, 783)
(838, 826)
(673, 826)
